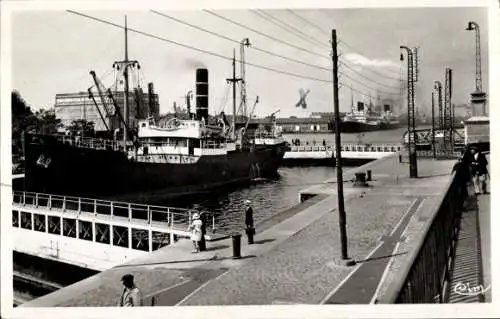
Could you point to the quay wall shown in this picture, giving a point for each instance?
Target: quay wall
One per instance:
(78, 252)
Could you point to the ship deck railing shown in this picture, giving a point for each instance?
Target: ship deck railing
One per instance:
(390, 148)
(169, 217)
(267, 135)
(93, 143)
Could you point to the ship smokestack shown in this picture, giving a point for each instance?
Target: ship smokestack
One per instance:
(202, 94)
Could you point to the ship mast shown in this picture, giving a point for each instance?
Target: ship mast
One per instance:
(233, 80)
(125, 75)
(125, 65)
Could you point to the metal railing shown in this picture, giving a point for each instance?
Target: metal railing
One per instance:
(389, 148)
(178, 217)
(88, 142)
(424, 136)
(425, 276)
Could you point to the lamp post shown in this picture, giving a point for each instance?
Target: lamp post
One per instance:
(412, 151)
(477, 97)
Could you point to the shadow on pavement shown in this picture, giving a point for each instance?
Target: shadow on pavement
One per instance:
(381, 257)
(214, 258)
(434, 175)
(263, 241)
(217, 248)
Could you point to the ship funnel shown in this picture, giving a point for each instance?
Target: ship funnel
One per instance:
(202, 94)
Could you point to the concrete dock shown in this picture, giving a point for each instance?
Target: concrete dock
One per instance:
(295, 256)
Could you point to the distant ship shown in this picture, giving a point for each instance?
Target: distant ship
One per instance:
(364, 119)
(361, 122)
(178, 157)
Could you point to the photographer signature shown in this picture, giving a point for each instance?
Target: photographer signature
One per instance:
(465, 289)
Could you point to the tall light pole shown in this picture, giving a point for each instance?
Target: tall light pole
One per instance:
(412, 149)
(433, 128)
(340, 180)
(439, 87)
(477, 97)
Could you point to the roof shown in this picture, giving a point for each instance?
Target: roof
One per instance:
(478, 119)
(303, 120)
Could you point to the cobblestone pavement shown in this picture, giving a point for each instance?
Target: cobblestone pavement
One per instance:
(302, 269)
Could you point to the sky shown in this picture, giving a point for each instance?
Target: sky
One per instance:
(53, 52)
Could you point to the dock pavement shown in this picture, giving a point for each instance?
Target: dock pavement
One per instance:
(295, 256)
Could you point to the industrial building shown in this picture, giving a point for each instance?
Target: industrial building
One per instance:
(75, 106)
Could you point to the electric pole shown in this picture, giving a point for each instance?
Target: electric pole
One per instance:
(340, 180)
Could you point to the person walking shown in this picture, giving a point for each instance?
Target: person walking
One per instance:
(196, 232)
(479, 170)
(131, 295)
(249, 227)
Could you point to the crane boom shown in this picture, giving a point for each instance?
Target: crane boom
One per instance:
(251, 113)
(110, 110)
(110, 95)
(98, 110)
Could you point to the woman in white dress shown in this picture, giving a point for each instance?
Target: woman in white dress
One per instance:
(196, 233)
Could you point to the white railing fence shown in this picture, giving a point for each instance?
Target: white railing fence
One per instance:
(178, 217)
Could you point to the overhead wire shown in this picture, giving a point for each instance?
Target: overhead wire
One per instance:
(266, 35)
(267, 52)
(238, 42)
(202, 50)
(342, 42)
(268, 17)
(198, 49)
(305, 36)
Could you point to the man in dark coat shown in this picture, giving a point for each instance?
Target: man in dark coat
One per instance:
(249, 226)
(479, 170)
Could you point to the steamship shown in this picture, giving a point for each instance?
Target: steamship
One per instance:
(177, 157)
(365, 120)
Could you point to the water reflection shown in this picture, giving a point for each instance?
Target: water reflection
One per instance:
(268, 196)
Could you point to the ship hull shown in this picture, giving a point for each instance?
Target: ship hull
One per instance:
(109, 174)
(355, 127)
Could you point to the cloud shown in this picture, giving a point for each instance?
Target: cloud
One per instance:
(194, 63)
(364, 61)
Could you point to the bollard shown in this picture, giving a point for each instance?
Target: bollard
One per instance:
(202, 244)
(360, 180)
(236, 245)
(369, 175)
